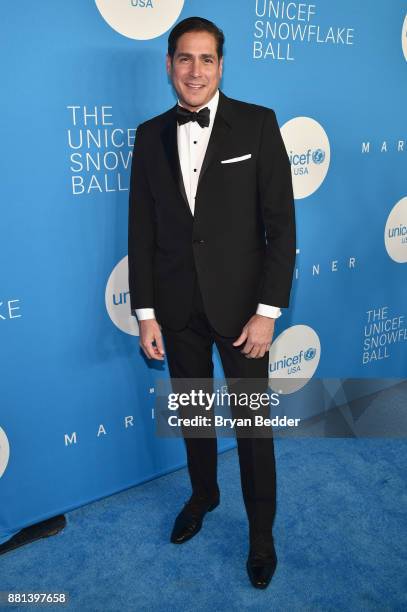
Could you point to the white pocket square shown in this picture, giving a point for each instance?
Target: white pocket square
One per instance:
(236, 159)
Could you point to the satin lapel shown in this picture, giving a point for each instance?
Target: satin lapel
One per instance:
(169, 140)
(221, 128)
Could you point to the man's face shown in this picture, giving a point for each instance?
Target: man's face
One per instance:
(195, 70)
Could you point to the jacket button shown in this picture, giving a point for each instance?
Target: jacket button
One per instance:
(198, 241)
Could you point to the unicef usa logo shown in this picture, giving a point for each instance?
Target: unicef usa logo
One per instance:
(140, 19)
(294, 358)
(300, 162)
(404, 37)
(117, 299)
(309, 153)
(395, 232)
(4, 451)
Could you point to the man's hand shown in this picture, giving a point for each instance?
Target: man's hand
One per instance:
(258, 333)
(151, 339)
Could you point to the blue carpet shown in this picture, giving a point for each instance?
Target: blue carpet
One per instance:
(340, 536)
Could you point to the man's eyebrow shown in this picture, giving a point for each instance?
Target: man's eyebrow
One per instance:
(185, 54)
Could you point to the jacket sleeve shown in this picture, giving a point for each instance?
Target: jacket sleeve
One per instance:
(277, 206)
(141, 230)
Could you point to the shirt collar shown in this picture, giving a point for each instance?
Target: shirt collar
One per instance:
(212, 105)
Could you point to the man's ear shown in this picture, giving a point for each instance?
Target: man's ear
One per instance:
(221, 66)
(168, 64)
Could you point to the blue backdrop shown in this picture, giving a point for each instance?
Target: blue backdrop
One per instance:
(78, 77)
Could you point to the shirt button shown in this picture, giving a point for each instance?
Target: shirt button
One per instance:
(195, 141)
(194, 169)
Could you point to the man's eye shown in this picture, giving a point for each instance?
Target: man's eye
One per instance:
(208, 60)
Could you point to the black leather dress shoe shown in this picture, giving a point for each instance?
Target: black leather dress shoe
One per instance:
(189, 520)
(261, 564)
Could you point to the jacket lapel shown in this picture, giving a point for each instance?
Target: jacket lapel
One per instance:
(169, 140)
(220, 129)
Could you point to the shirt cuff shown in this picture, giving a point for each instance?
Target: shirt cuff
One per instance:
(268, 311)
(143, 313)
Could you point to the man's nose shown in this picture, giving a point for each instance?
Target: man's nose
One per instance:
(196, 68)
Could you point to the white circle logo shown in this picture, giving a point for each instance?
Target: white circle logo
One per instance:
(294, 358)
(395, 232)
(4, 451)
(309, 152)
(117, 299)
(140, 19)
(404, 37)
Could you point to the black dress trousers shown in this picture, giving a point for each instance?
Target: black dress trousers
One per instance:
(189, 355)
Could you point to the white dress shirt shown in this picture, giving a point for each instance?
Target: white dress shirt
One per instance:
(192, 142)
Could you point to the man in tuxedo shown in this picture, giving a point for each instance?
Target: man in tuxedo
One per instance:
(211, 257)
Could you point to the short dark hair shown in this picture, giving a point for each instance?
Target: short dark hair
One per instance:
(195, 24)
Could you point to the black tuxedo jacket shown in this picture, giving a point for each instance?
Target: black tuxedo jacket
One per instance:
(241, 240)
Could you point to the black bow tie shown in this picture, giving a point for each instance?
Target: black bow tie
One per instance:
(184, 115)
